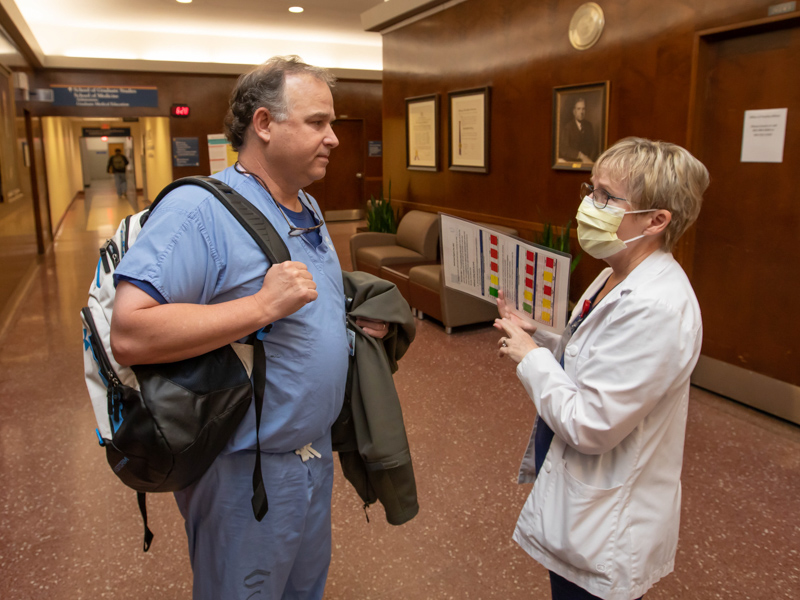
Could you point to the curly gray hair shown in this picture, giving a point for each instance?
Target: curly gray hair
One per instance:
(264, 85)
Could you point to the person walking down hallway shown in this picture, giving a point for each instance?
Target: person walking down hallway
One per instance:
(612, 392)
(194, 281)
(118, 166)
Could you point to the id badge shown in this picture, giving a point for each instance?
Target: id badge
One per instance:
(351, 341)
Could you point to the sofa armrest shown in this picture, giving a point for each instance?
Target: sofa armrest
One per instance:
(369, 238)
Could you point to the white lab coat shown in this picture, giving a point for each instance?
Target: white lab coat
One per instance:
(605, 508)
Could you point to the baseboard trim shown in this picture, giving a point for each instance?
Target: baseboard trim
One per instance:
(773, 396)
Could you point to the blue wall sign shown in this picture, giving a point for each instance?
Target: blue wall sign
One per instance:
(74, 95)
(99, 132)
(185, 152)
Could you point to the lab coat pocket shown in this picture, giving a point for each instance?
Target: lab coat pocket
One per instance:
(578, 523)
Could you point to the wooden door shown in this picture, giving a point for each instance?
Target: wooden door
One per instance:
(745, 266)
(341, 193)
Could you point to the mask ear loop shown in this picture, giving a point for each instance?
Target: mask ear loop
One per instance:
(633, 239)
(633, 212)
(644, 210)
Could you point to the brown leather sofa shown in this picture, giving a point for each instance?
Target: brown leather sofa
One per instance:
(416, 241)
(427, 294)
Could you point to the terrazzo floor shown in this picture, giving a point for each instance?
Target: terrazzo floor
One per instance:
(70, 530)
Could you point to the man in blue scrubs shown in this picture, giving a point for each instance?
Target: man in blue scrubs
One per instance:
(194, 281)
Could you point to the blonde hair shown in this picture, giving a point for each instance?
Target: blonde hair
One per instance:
(658, 175)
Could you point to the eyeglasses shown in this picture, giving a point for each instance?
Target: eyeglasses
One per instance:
(600, 197)
(294, 231)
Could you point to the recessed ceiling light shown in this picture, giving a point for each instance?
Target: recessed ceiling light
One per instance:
(296, 9)
(184, 1)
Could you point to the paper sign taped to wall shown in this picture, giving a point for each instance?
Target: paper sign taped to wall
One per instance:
(764, 135)
(481, 262)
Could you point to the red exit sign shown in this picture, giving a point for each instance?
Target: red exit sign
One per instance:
(179, 110)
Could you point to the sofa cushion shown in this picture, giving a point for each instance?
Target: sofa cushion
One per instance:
(426, 275)
(379, 256)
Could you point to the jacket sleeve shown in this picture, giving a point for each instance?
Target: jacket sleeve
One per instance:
(642, 351)
(546, 339)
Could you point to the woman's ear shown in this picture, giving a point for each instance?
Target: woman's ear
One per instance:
(658, 222)
(261, 122)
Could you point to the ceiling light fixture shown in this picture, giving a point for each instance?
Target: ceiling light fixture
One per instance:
(184, 1)
(296, 9)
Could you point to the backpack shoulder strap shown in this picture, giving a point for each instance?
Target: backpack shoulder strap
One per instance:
(264, 234)
(249, 217)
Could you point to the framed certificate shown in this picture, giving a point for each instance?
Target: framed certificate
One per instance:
(422, 140)
(468, 130)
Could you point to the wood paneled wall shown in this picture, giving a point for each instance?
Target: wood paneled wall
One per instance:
(364, 100)
(207, 95)
(520, 48)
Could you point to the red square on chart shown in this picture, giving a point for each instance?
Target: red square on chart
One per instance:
(494, 252)
(529, 283)
(493, 239)
(548, 291)
(529, 269)
(494, 267)
(530, 255)
(549, 262)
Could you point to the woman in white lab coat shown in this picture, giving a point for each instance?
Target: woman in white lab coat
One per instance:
(612, 393)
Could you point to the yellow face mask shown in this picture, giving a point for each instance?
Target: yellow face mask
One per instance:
(597, 229)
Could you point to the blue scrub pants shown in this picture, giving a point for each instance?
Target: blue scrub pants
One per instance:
(285, 556)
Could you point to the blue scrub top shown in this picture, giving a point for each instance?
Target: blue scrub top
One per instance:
(193, 250)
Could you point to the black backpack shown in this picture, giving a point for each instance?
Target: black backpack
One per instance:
(163, 425)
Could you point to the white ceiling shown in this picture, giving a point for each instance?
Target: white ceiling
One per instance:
(204, 36)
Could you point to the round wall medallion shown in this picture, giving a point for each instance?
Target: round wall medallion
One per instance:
(586, 26)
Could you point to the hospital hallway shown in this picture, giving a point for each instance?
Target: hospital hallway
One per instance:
(70, 530)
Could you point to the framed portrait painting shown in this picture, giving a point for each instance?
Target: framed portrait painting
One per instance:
(422, 139)
(580, 125)
(468, 130)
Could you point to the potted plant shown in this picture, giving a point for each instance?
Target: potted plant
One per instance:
(381, 217)
(550, 238)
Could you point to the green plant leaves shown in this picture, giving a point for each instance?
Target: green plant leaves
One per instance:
(558, 241)
(381, 217)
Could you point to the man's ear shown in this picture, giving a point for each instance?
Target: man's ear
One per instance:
(658, 222)
(261, 122)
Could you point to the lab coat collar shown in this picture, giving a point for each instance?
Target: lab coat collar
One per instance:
(650, 267)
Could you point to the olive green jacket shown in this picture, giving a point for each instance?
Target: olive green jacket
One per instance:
(369, 434)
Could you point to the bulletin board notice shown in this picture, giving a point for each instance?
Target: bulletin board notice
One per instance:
(481, 262)
(221, 154)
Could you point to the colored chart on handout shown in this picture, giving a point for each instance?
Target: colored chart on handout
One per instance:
(480, 261)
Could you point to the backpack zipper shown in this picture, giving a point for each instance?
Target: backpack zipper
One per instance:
(107, 371)
(125, 229)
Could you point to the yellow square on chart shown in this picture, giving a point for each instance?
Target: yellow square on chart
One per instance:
(547, 276)
(546, 304)
(528, 296)
(495, 280)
